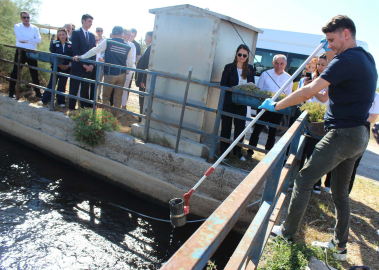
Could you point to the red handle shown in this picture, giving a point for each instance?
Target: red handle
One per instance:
(187, 196)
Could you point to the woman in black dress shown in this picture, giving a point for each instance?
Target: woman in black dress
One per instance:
(236, 73)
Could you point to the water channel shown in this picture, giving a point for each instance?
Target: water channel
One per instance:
(53, 216)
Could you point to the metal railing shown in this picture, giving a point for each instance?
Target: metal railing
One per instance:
(150, 96)
(198, 249)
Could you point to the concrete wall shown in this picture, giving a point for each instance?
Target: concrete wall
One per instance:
(149, 170)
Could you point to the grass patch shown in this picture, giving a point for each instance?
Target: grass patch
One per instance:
(319, 220)
(249, 164)
(279, 254)
(211, 265)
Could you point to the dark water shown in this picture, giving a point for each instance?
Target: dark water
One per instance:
(53, 216)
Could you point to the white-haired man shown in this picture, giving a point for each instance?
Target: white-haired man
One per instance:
(271, 80)
(68, 27)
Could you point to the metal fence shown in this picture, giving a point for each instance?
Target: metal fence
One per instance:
(198, 249)
(150, 97)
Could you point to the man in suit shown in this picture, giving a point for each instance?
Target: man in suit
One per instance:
(143, 64)
(82, 41)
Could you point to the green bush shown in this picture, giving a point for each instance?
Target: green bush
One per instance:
(9, 14)
(316, 111)
(90, 128)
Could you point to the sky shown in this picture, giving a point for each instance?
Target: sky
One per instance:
(291, 15)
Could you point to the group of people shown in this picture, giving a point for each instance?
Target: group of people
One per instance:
(240, 72)
(120, 49)
(344, 78)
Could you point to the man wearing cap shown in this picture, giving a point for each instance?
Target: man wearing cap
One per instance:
(117, 52)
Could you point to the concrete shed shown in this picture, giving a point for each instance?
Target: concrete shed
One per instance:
(187, 36)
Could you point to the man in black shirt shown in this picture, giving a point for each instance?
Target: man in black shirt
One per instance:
(351, 77)
(138, 46)
(143, 64)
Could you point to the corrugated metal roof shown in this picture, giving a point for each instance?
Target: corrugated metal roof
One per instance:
(205, 11)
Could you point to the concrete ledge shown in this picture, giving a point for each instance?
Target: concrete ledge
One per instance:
(147, 169)
(186, 146)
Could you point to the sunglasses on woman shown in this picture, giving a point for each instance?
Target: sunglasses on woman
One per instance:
(244, 55)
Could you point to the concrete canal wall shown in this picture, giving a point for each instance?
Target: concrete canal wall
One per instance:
(148, 170)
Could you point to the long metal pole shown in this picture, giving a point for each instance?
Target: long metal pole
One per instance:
(149, 108)
(183, 109)
(18, 74)
(211, 169)
(53, 83)
(97, 77)
(216, 127)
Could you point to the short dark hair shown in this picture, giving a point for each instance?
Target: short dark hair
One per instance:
(23, 12)
(150, 33)
(134, 31)
(338, 24)
(86, 16)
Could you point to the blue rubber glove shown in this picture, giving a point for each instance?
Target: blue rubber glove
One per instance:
(326, 44)
(268, 105)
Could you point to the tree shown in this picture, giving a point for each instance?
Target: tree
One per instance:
(143, 45)
(10, 15)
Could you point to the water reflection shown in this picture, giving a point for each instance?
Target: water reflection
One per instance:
(53, 216)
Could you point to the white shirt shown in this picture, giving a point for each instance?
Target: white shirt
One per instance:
(101, 48)
(314, 99)
(241, 80)
(375, 105)
(100, 54)
(134, 53)
(266, 83)
(84, 31)
(29, 34)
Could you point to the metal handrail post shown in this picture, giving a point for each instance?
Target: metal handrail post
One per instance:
(149, 108)
(18, 74)
(269, 194)
(183, 109)
(98, 69)
(216, 127)
(53, 83)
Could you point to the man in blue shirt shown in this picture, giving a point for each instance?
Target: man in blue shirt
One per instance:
(351, 77)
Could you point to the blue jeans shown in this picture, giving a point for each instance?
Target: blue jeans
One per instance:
(336, 152)
(61, 83)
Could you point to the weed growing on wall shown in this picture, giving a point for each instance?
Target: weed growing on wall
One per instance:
(89, 128)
